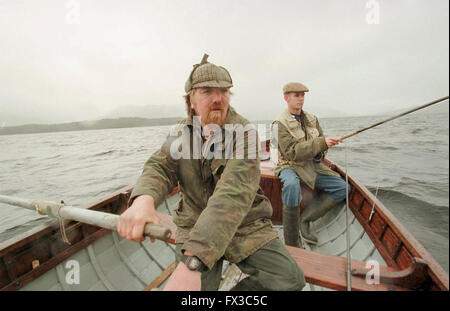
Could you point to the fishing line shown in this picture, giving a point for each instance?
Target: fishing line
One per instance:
(376, 192)
(347, 222)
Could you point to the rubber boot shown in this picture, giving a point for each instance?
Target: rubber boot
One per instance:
(291, 216)
(316, 209)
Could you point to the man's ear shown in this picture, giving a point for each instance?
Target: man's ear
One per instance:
(286, 97)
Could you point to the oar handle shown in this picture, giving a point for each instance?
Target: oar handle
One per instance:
(157, 231)
(110, 221)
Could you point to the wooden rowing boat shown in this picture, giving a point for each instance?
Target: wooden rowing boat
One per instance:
(379, 245)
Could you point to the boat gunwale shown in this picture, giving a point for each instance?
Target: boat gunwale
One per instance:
(416, 249)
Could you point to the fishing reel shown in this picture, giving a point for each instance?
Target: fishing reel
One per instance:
(318, 157)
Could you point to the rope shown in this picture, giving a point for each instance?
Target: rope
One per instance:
(62, 226)
(63, 231)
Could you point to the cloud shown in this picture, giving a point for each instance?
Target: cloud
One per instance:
(140, 53)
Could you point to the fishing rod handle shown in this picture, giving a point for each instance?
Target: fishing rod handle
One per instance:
(349, 135)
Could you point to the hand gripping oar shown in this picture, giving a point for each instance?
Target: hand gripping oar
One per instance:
(96, 218)
(394, 117)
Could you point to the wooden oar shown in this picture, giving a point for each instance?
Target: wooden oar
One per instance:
(96, 218)
(394, 117)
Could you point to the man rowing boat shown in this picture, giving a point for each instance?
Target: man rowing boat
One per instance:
(222, 213)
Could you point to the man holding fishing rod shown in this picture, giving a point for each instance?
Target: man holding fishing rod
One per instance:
(300, 150)
(222, 213)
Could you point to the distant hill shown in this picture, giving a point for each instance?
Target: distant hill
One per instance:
(146, 111)
(87, 125)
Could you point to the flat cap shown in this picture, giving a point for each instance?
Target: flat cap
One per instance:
(207, 74)
(294, 87)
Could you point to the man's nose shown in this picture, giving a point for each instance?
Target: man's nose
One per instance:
(217, 96)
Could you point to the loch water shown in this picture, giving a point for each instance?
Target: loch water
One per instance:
(406, 161)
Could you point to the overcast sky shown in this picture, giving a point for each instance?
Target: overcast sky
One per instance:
(71, 60)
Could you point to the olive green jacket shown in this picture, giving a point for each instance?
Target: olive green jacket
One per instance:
(222, 210)
(297, 146)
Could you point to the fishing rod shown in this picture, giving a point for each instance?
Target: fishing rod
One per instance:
(91, 217)
(394, 117)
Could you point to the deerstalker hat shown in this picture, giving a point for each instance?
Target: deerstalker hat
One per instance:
(294, 87)
(208, 75)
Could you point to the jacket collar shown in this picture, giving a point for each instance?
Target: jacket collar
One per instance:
(305, 116)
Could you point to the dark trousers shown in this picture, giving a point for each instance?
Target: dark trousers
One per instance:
(270, 268)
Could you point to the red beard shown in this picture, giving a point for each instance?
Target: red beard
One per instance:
(216, 117)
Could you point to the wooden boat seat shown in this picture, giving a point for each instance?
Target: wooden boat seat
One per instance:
(330, 271)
